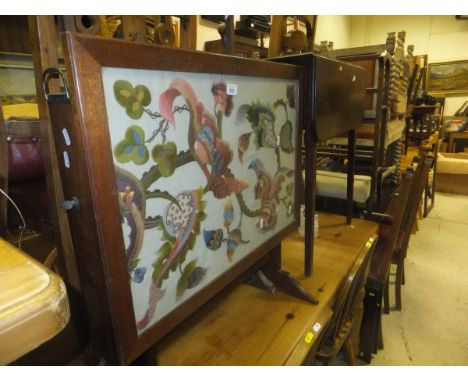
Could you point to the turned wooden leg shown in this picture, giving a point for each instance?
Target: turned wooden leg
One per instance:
(403, 273)
(380, 342)
(398, 281)
(387, 296)
(349, 351)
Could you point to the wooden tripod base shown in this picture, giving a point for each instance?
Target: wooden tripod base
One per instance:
(271, 277)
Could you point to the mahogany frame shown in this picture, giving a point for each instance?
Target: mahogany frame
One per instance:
(95, 224)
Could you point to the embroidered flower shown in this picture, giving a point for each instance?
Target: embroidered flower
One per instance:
(139, 274)
(213, 238)
(126, 197)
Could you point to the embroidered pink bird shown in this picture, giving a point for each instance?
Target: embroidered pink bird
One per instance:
(212, 154)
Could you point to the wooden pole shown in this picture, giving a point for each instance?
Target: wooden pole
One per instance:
(350, 180)
(276, 36)
(44, 53)
(188, 32)
(3, 174)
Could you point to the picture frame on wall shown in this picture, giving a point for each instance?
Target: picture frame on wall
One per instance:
(449, 78)
(183, 171)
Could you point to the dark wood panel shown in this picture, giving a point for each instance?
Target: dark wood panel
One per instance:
(369, 67)
(14, 34)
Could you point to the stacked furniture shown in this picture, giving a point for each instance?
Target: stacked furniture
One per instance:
(330, 116)
(378, 139)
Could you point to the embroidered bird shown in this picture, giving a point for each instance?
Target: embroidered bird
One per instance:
(267, 190)
(180, 222)
(212, 154)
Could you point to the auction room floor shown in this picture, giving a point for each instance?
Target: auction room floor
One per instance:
(432, 327)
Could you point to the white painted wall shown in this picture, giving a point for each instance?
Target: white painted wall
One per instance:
(206, 31)
(442, 38)
(333, 28)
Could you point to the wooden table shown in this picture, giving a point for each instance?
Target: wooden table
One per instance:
(249, 326)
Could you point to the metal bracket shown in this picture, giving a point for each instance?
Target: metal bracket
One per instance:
(48, 74)
(71, 204)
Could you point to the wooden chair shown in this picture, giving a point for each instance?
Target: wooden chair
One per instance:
(389, 231)
(433, 146)
(401, 247)
(347, 311)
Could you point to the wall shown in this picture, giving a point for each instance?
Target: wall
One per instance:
(334, 28)
(442, 38)
(206, 31)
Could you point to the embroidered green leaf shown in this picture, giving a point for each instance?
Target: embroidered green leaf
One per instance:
(133, 99)
(132, 148)
(123, 91)
(183, 281)
(165, 156)
(134, 109)
(142, 95)
(158, 265)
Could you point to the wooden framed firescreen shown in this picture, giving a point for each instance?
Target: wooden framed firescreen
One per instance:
(181, 172)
